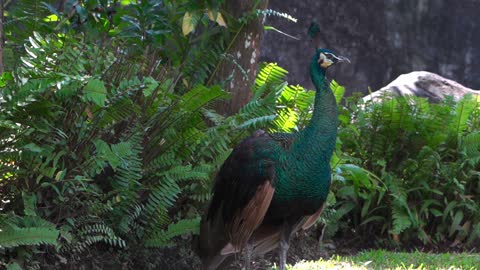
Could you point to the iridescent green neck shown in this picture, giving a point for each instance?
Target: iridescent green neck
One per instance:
(317, 140)
(309, 157)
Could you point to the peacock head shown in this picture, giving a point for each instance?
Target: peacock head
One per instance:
(326, 58)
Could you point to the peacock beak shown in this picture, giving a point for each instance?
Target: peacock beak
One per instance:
(343, 59)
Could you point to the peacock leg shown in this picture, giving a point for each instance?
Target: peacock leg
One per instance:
(284, 245)
(248, 256)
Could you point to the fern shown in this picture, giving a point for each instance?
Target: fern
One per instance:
(258, 122)
(464, 109)
(425, 154)
(338, 91)
(163, 238)
(199, 96)
(471, 142)
(268, 75)
(92, 234)
(270, 12)
(14, 237)
(120, 110)
(161, 198)
(203, 60)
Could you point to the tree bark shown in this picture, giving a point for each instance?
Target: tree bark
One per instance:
(245, 51)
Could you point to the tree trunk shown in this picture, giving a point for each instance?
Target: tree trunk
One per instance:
(245, 50)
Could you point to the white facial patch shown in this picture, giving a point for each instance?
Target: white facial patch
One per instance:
(325, 59)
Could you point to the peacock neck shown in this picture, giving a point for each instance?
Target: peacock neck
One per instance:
(317, 141)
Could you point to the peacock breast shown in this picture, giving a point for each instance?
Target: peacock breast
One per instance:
(300, 191)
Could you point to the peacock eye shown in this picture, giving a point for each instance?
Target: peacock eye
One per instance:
(329, 56)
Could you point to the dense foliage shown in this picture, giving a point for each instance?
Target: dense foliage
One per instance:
(109, 140)
(107, 137)
(423, 163)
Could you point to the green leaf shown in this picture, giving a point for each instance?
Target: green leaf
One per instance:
(82, 12)
(184, 226)
(436, 212)
(189, 22)
(28, 236)
(105, 153)
(463, 110)
(201, 95)
(267, 27)
(338, 91)
(6, 76)
(457, 219)
(401, 220)
(150, 85)
(373, 219)
(60, 175)
(127, 2)
(32, 147)
(51, 18)
(13, 266)
(29, 204)
(96, 92)
(269, 74)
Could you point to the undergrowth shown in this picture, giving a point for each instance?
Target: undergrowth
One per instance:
(108, 139)
(419, 182)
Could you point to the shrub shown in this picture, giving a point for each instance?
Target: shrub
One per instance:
(423, 163)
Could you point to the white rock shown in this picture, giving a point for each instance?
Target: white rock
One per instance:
(423, 84)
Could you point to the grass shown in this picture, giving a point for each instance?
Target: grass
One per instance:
(381, 259)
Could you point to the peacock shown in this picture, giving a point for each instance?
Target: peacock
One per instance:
(272, 185)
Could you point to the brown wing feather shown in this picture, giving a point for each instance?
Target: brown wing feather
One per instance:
(267, 237)
(245, 223)
(310, 220)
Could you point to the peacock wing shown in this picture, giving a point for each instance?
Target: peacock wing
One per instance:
(244, 188)
(307, 221)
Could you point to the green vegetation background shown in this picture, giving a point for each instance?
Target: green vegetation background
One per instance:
(109, 139)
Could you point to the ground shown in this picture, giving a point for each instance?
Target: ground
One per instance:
(345, 252)
(349, 253)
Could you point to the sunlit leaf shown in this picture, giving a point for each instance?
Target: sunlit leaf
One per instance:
(51, 18)
(338, 91)
(217, 17)
(189, 23)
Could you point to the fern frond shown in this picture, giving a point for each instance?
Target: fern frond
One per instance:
(401, 219)
(269, 74)
(200, 95)
(126, 223)
(258, 121)
(338, 91)
(160, 199)
(32, 236)
(271, 12)
(471, 143)
(400, 209)
(463, 111)
(92, 234)
(164, 237)
(119, 111)
(203, 60)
